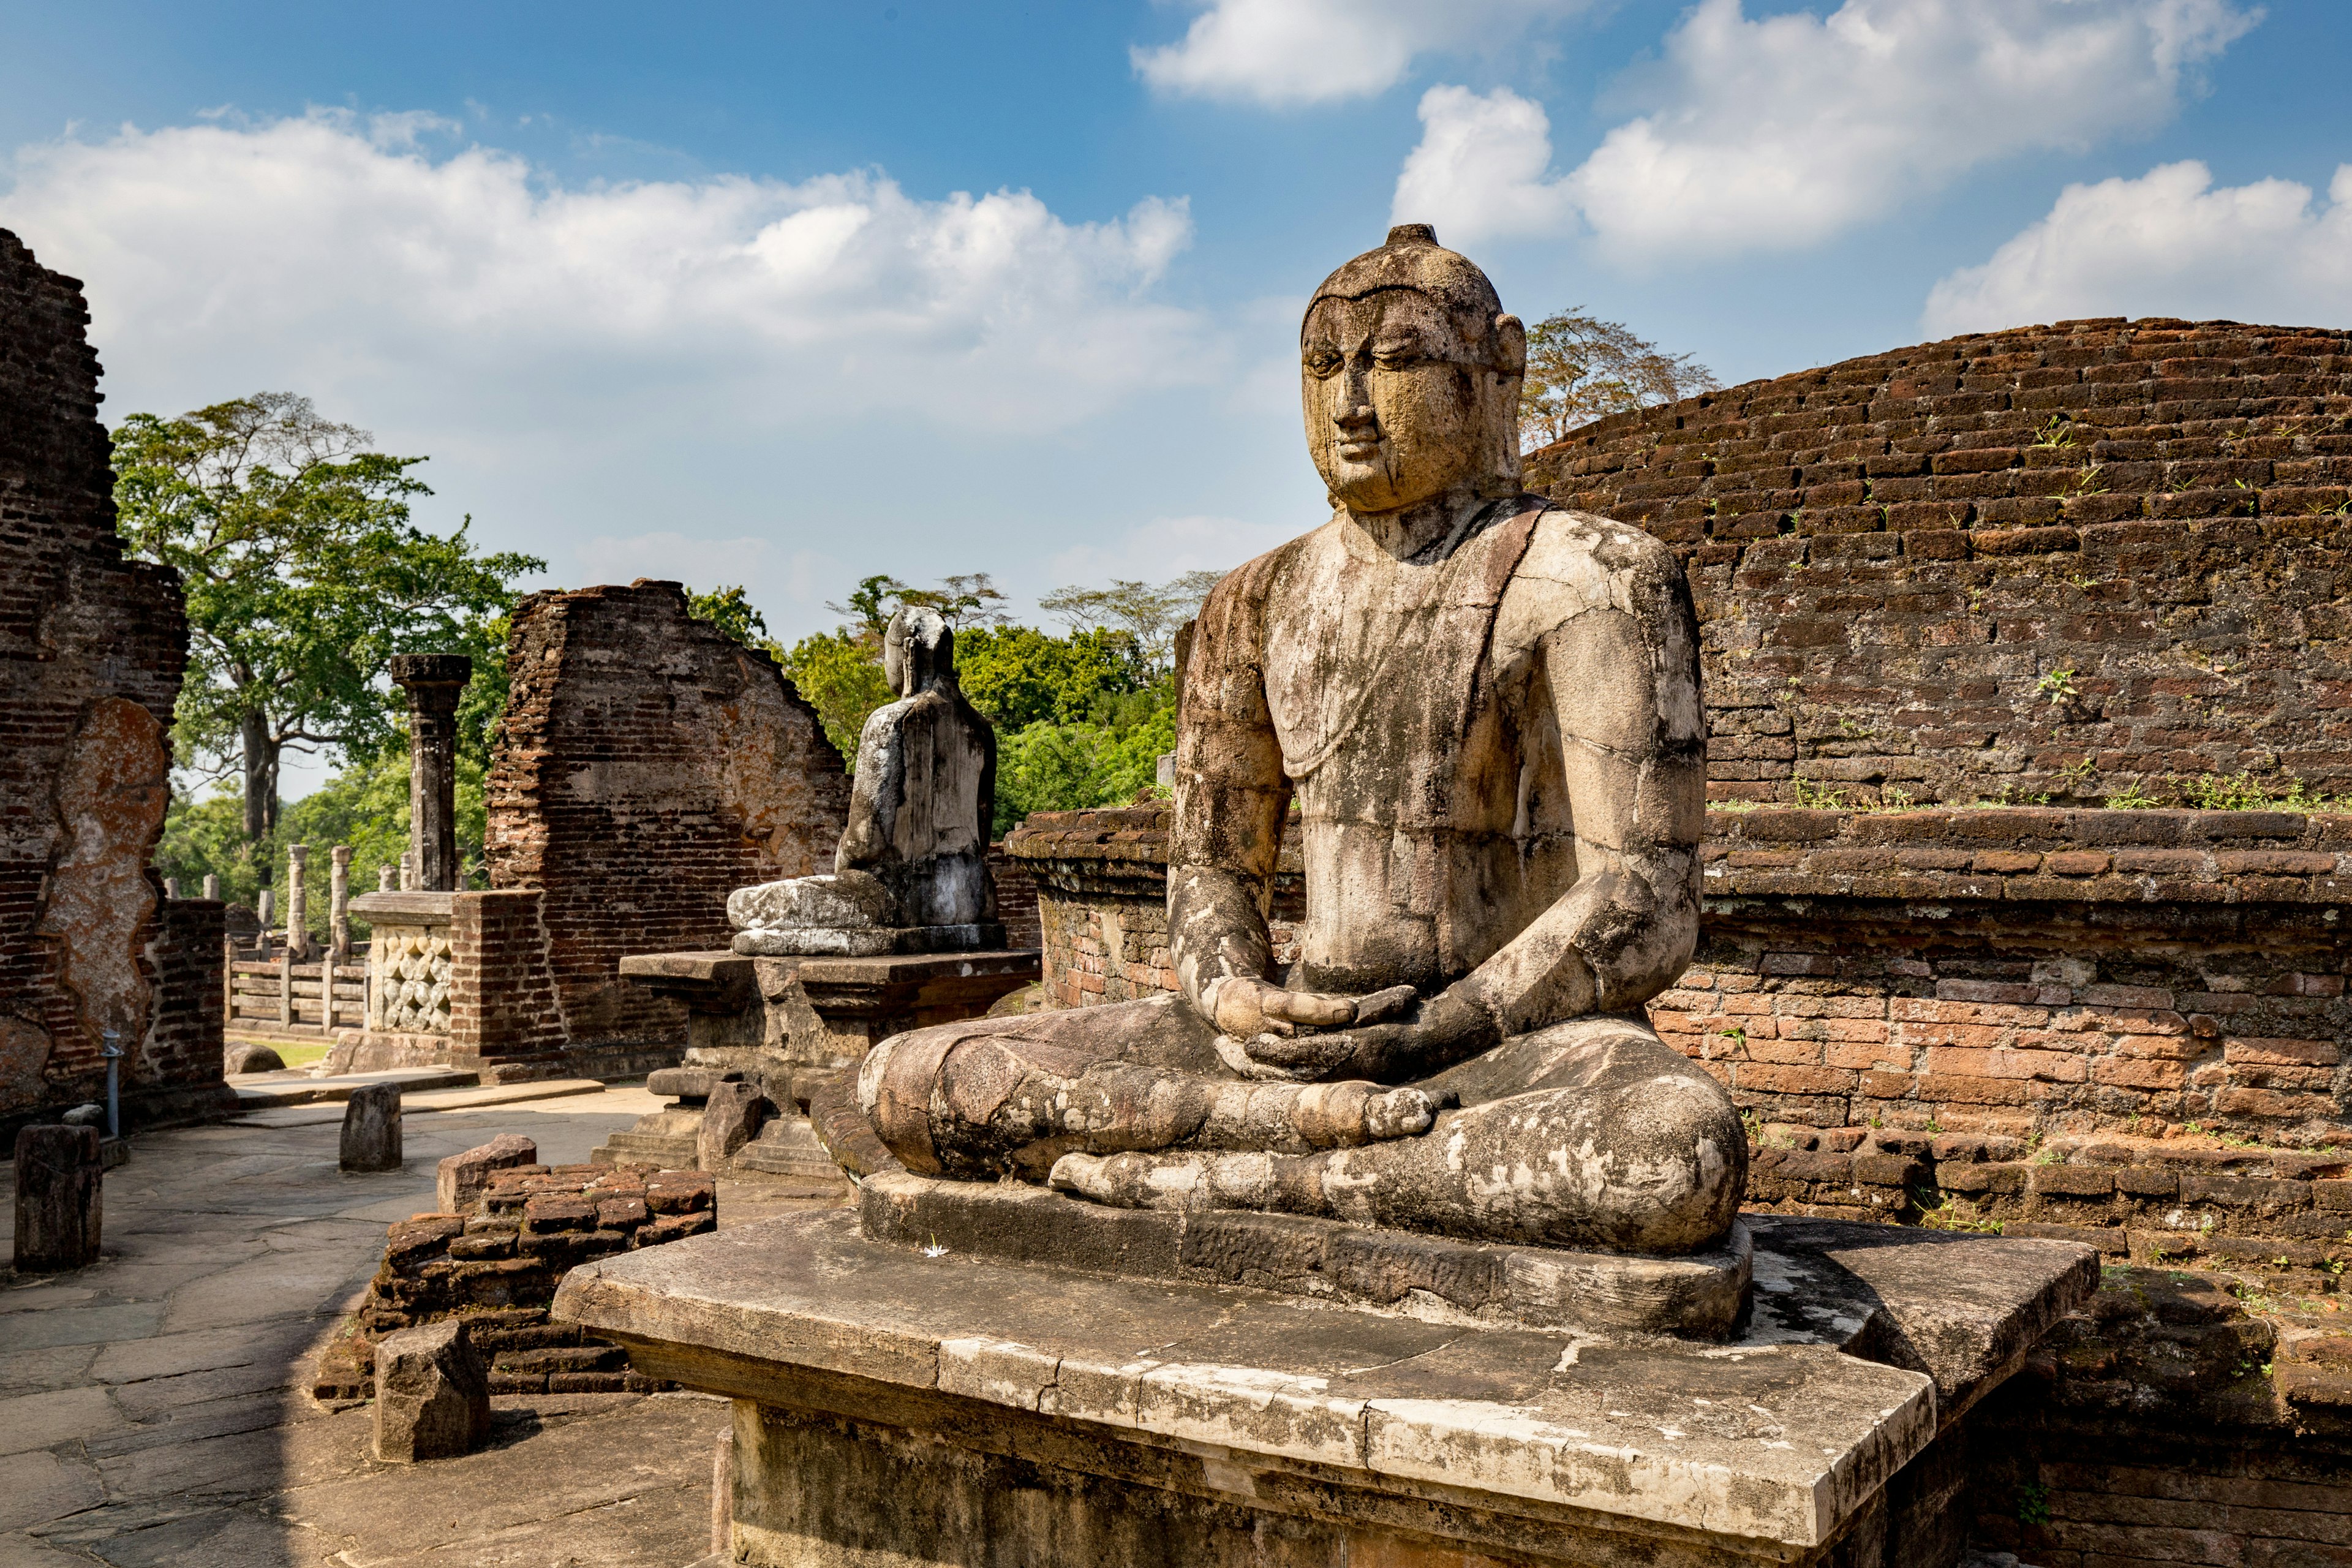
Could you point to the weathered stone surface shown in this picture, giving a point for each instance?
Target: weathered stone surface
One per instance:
(432, 1395)
(1437, 1278)
(59, 1204)
(459, 1179)
(1763, 1441)
(1445, 679)
(246, 1056)
(732, 1117)
(372, 1129)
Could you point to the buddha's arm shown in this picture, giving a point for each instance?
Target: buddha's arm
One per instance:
(1625, 688)
(1231, 797)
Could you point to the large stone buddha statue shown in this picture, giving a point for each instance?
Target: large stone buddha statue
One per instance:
(1485, 712)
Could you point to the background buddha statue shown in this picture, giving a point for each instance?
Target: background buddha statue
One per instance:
(911, 871)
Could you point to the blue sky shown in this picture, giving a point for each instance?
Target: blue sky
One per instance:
(784, 295)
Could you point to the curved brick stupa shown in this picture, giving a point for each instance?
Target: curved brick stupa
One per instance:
(1974, 566)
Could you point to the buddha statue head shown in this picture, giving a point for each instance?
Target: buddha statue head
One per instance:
(918, 651)
(1409, 374)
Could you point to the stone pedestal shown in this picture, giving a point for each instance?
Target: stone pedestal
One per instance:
(59, 1181)
(787, 1025)
(922, 1404)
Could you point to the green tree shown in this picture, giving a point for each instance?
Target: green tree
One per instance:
(304, 576)
(1019, 676)
(730, 609)
(1148, 615)
(1582, 368)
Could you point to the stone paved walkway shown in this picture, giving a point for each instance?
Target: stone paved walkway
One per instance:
(152, 1409)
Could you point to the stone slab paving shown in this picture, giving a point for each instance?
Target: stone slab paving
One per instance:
(152, 1409)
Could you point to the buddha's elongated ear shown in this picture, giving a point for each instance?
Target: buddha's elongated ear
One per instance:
(1510, 345)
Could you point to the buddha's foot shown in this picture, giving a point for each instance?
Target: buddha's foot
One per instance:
(1300, 1117)
(1179, 1180)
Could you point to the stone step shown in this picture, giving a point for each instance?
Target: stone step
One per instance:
(670, 1152)
(786, 1146)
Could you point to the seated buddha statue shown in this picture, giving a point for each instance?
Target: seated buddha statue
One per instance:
(1480, 714)
(911, 874)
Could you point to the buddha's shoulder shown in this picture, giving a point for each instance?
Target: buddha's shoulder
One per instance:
(1576, 562)
(1253, 579)
(1582, 543)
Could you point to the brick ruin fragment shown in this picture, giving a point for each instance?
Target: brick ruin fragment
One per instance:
(92, 647)
(647, 767)
(496, 1266)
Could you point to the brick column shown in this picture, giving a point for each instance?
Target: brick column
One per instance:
(433, 682)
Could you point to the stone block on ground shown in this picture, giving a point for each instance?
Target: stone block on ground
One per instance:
(372, 1129)
(432, 1395)
(251, 1055)
(732, 1118)
(460, 1179)
(58, 1185)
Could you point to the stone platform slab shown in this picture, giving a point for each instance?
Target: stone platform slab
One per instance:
(1701, 1295)
(1080, 1411)
(271, 1092)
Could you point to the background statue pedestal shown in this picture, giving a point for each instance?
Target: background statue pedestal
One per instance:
(791, 1026)
(932, 1407)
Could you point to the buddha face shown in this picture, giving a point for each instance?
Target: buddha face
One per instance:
(1401, 406)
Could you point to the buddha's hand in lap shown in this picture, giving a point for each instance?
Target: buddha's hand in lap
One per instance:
(1451, 1027)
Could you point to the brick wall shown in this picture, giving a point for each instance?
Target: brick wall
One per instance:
(1896, 557)
(2023, 972)
(1016, 898)
(648, 766)
(503, 1002)
(91, 651)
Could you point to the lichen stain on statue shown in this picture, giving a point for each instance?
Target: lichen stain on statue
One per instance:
(1486, 712)
(111, 795)
(911, 872)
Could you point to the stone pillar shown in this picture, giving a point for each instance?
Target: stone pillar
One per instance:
(433, 682)
(408, 871)
(171, 886)
(212, 885)
(370, 1139)
(59, 1178)
(338, 909)
(298, 903)
(264, 908)
(286, 984)
(385, 879)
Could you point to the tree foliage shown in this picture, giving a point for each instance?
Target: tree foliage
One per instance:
(1148, 615)
(304, 576)
(1582, 368)
(364, 804)
(1081, 718)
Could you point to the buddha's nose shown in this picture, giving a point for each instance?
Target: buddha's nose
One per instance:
(1354, 414)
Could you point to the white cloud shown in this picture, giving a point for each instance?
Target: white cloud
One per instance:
(1286, 52)
(2167, 244)
(1479, 171)
(323, 251)
(1779, 132)
(1168, 547)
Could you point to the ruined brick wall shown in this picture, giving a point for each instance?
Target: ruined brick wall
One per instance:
(503, 1001)
(1896, 558)
(648, 766)
(91, 651)
(1016, 898)
(2020, 972)
(2026, 971)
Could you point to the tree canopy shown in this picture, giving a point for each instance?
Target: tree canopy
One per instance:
(304, 576)
(1582, 368)
(1081, 717)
